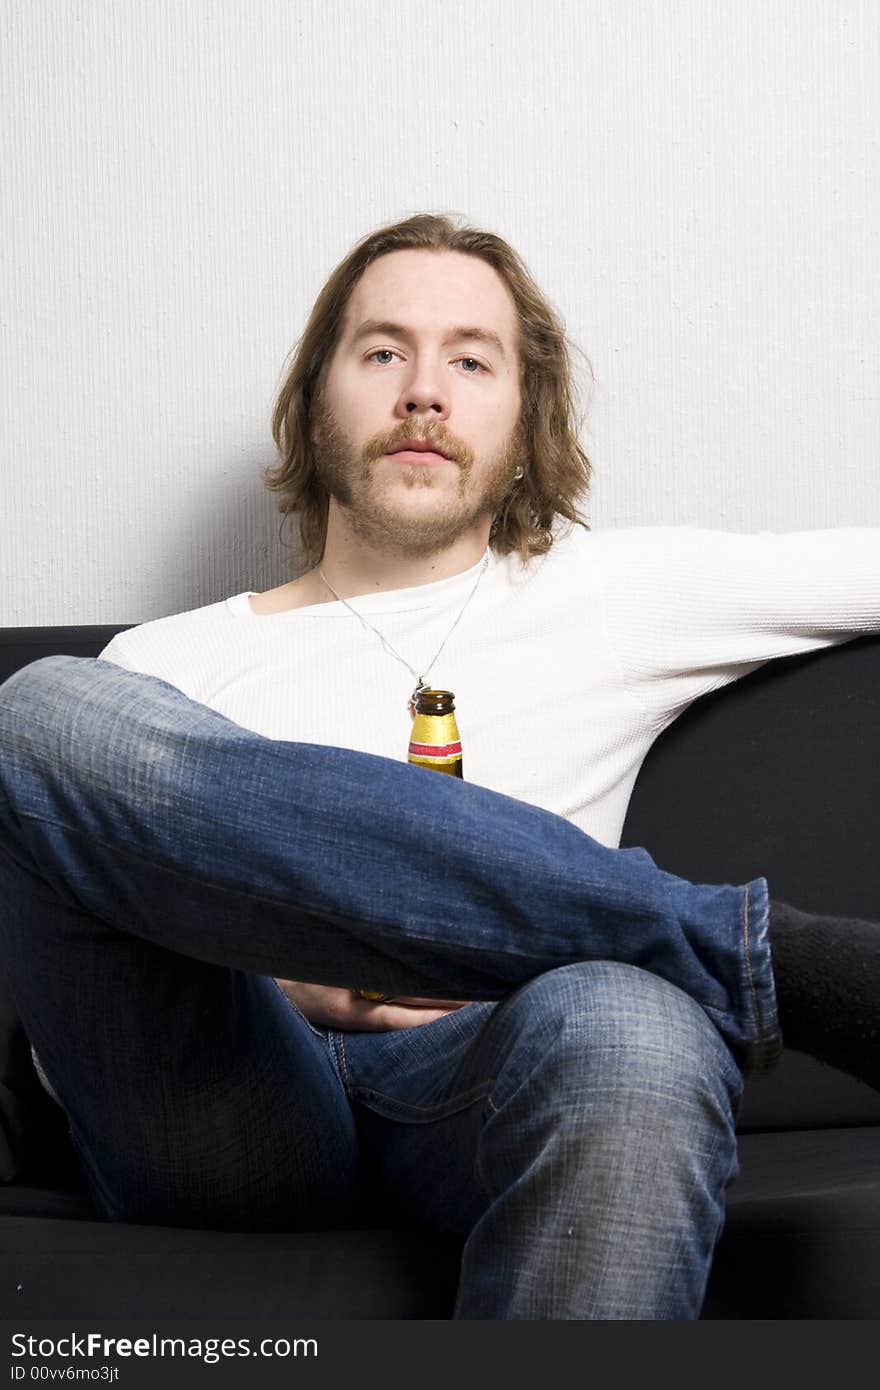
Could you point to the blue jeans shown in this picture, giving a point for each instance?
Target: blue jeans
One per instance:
(159, 864)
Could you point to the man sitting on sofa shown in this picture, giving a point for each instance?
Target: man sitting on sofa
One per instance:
(213, 850)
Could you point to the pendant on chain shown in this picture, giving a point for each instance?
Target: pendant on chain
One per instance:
(414, 697)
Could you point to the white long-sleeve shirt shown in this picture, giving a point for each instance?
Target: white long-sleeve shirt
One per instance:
(564, 671)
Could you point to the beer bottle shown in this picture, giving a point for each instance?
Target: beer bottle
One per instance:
(434, 740)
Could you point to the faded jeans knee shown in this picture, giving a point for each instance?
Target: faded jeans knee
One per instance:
(625, 1064)
(606, 1151)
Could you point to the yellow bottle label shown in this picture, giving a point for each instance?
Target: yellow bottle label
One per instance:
(434, 741)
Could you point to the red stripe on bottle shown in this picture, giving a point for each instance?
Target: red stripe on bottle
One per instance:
(434, 750)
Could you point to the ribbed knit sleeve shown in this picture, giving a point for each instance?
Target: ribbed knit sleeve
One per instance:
(115, 652)
(689, 610)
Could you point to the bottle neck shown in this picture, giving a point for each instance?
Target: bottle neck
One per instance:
(435, 702)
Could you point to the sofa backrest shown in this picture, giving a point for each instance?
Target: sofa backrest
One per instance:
(775, 776)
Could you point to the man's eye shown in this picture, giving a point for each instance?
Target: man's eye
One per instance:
(389, 353)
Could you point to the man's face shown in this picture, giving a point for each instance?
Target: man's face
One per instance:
(423, 381)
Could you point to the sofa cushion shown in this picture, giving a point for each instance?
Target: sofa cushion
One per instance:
(102, 1269)
(803, 1201)
(801, 1093)
(802, 1238)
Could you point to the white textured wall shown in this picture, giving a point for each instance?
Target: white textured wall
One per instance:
(694, 184)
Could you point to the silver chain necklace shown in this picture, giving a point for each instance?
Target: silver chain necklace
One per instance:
(420, 680)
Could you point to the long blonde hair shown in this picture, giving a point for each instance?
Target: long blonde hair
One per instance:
(558, 470)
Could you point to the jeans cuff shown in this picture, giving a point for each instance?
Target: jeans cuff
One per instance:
(765, 1045)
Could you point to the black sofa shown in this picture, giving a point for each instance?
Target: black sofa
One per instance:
(775, 775)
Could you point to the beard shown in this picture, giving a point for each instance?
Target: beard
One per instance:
(371, 502)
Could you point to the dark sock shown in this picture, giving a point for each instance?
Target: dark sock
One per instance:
(827, 973)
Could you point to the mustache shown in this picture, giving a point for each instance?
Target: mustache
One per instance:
(432, 441)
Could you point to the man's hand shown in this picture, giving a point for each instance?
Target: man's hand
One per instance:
(328, 1006)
